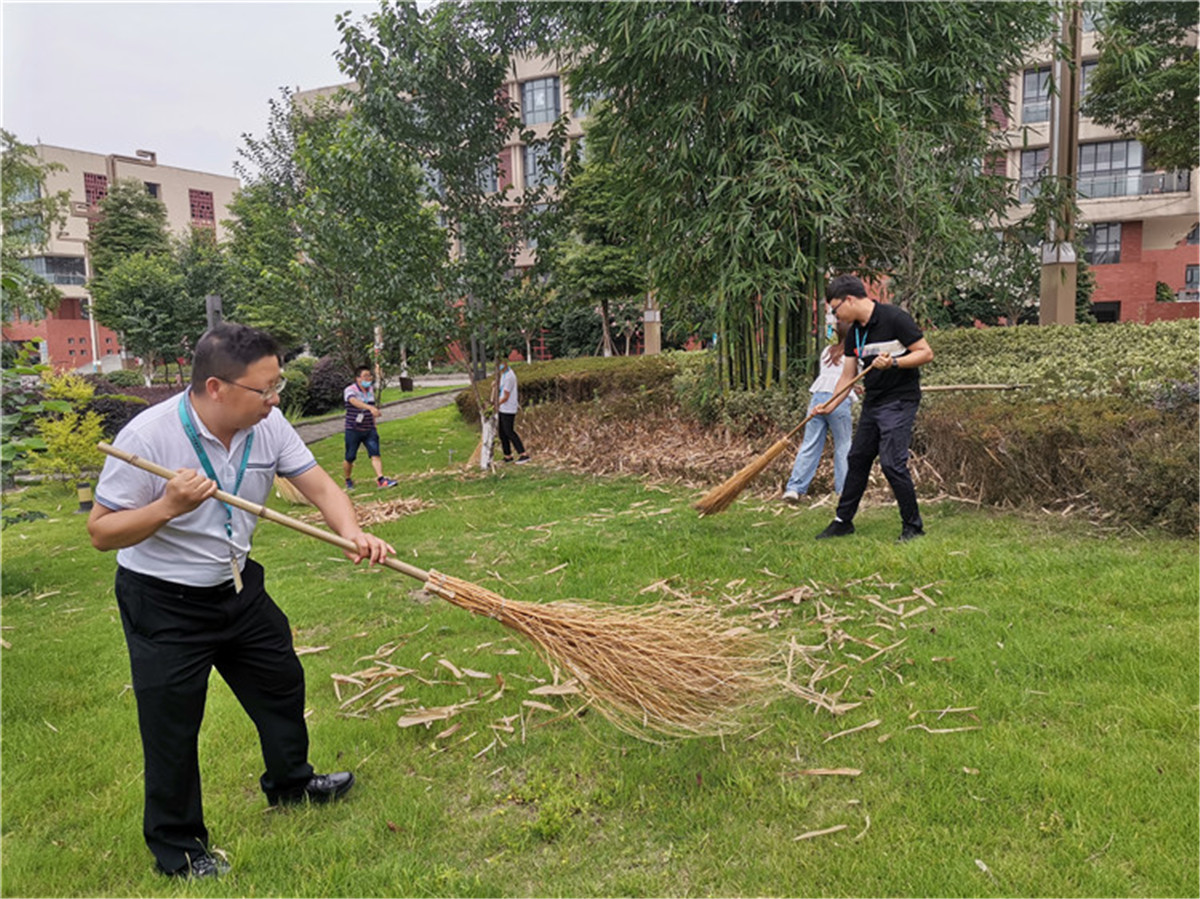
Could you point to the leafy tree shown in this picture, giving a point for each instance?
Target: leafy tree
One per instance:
(1146, 83)
(370, 247)
(203, 267)
(28, 214)
(266, 286)
(131, 223)
(23, 407)
(144, 297)
(431, 82)
(749, 129)
(601, 262)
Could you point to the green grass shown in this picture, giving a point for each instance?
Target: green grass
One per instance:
(1076, 652)
(390, 395)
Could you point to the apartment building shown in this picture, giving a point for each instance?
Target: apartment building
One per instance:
(1139, 225)
(68, 338)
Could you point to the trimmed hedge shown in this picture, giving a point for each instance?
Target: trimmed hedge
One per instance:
(577, 380)
(1061, 361)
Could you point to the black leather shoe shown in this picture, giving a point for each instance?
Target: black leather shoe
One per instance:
(201, 867)
(836, 529)
(320, 788)
(908, 532)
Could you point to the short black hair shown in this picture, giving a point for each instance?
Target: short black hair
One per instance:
(358, 371)
(227, 350)
(845, 285)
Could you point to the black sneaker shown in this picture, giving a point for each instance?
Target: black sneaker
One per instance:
(320, 788)
(202, 867)
(349, 484)
(910, 533)
(837, 529)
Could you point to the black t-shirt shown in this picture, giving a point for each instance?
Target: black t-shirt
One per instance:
(889, 330)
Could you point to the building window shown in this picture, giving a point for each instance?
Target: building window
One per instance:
(201, 202)
(153, 189)
(1110, 169)
(539, 168)
(108, 340)
(70, 340)
(95, 188)
(1102, 243)
(1035, 96)
(489, 177)
(540, 101)
(58, 269)
(1193, 236)
(1086, 71)
(1191, 278)
(1033, 166)
(1092, 16)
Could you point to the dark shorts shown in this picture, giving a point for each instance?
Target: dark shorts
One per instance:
(370, 439)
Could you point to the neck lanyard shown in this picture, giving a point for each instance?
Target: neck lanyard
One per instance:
(860, 339)
(190, 430)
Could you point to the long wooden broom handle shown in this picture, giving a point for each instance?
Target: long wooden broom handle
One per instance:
(263, 512)
(796, 430)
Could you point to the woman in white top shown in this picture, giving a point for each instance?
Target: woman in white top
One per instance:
(836, 423)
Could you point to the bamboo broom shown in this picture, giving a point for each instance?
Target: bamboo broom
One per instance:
(675, 669)
(720, 497)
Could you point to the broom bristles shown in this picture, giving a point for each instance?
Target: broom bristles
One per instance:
(288, 491)
(473, 460)
(669, 668)
(720, 497)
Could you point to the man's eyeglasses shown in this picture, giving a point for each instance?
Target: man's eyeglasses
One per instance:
(834, 305)
(268, 393)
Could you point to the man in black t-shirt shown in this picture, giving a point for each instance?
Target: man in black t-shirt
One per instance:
(888, 340)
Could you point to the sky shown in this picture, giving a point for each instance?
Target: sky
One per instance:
(185, 80)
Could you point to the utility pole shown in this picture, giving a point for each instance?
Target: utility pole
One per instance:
(212, 310)
(652, 315)
(1059, 266)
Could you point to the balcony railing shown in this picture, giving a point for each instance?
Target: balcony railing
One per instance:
(1133, 184)
(1188, 296)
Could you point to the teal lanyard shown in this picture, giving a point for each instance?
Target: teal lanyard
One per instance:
(860, 339)
(190, 430)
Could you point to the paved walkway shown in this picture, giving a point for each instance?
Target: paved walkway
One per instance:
(313, 431)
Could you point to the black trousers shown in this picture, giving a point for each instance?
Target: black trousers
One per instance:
(884, 430)
(176, 635)
(508, 433)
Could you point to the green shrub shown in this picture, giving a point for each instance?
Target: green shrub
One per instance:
(295, 397)
(577, 380)
(124, 377)
(327, 385)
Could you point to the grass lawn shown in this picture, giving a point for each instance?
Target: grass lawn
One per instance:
(1036, 736)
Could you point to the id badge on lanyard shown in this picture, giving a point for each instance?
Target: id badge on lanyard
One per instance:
(190, 430)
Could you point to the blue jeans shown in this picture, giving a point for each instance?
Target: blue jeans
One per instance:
(808, 458)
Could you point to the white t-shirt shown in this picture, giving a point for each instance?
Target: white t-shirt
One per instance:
(827, 378)
(194, 549)
(508, 381)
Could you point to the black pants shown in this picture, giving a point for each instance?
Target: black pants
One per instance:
(884, 430)
(176, 634)
(508, 433)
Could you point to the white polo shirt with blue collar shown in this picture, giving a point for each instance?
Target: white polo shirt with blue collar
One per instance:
(195, 548)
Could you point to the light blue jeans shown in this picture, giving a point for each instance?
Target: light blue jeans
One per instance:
(837, 423)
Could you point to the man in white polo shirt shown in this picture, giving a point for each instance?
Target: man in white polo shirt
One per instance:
(191, 598)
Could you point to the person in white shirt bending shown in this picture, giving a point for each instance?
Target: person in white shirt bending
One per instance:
(837, 423)
(508, 404)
